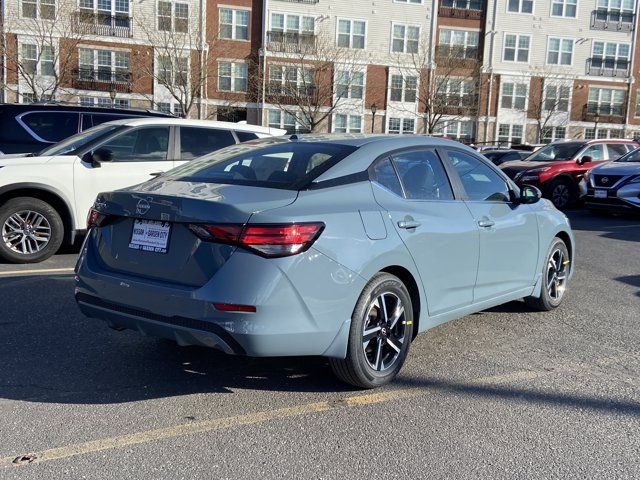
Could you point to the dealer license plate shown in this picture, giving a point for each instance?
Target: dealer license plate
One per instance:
(150, 236)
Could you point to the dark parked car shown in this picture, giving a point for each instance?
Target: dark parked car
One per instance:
(29, 128)
(498, 157)
(558, 168)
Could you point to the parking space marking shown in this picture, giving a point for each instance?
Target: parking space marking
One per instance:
(36, 271)
(224, 423)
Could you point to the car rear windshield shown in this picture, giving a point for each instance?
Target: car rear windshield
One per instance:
(556, 152)
(78, 140)
(271, 164)
(633, 156)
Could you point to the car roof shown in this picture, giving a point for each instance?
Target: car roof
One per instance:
(186, 122)
(594, 141)
(65, 107)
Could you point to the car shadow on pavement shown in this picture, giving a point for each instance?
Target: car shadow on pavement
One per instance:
(526, 395)
(52, 353)
(615, 227)
(633, 280)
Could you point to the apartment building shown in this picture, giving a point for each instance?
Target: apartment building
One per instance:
(477, 70)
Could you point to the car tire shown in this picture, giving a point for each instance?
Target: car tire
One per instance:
(562, 193)
(44, 226)
(555, 274)
(376, 337)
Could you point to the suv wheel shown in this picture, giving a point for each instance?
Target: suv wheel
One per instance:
(30, 230)
(562, 193)
(380, 334)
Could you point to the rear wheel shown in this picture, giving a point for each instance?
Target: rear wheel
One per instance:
(562, 193)
(30, 230)
(555, 274)
(380, 334)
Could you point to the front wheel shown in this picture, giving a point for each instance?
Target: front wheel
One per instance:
(555, 274)
(562, 193)
(380, 334)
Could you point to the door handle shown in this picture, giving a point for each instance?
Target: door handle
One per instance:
(156, 174)
(408, 224)
(486, 223)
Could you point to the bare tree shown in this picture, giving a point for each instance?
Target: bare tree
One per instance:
(445, 87)
(549, 101)
(315, 78)
(43, 59)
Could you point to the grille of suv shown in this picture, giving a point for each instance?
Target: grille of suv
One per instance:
(605, 181)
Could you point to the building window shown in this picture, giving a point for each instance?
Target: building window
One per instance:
(292, 81)
(415, 2)
(173, 16)
(164, 107)
(551, 134)
(637, 103)
(458, 43)
(405, 38)
(459, 130)
(514, 96)
(516, 48)
(349, 84)
(351, 33)
(46, 10)
(401, 126)
(556, 98)
(343, 123)
(560, 51)
(104, 65)
(520, 6)
(289, 23)
(403, 88)
(28, 97)
(606, 101)
(104, 102)
(172, 71)
(615, 11)
(603, 133)
(509, 133)
(232, 77)
(457, 92)
(610, 57)
(234, 24)
(564, 8)
(286, 121)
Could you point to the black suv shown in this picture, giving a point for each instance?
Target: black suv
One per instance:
(28, 128)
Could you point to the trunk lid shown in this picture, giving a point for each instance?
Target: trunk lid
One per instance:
(188, 260)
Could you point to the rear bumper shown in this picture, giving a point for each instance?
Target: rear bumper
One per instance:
(303, 304)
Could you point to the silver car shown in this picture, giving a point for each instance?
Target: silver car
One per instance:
(339, 246)
(614, 186)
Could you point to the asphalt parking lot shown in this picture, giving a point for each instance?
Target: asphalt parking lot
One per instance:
(506, 393)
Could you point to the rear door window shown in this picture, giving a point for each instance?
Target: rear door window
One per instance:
(385, 175)
(422, 175)
(246, 136)
(616, 150)
(51, 126)
(93, 119)
(147, 144)
(196, 142)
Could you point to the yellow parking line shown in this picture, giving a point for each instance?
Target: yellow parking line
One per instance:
(36, 271)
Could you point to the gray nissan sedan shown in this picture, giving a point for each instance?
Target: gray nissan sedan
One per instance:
(344, 246)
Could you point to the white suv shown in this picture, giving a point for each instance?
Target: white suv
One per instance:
(45, 199)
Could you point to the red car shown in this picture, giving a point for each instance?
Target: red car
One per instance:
(558, 168)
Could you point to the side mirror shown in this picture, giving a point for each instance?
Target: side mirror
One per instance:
(101, 155)
(585, 159)
(530, 194)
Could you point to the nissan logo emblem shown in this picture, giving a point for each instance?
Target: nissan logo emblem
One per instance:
(142, 207)
(605, 179)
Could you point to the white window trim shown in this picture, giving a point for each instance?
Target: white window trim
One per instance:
(408, 2)
(546, 56)
(173, 70)
(38, 73)
(404, 50)
(290, 14)
(604, 54)
(297, 124)
(337, 69)
(233, 75)
(37, 17)
(348, 122)
(402, 102)
(173, 15)
(514, 96)
(459, 29)
(520, 12)
(564, 7)
(402, 129)
(234, 9)
(510, 138)
(636, 111)
(458, 123)
(351, 20)
(559, 87)
(515, 59)
(113, 11)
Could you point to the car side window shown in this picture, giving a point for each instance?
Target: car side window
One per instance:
(479, 180)
(596, 152)
(616, 150)
(196, 141)
(245, 136)
(422, 175)
(52, 126)
(147, 144)
(94, 119)
(385, 175)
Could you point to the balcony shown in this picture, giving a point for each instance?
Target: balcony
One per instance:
(457, 56)
(86, 22)
(461, 9)
(456, 104)
(290, 42)
(605, 67)
(102, 80)
(603, 113)
(614, 20)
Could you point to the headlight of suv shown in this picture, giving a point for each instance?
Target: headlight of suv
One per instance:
(533, 174)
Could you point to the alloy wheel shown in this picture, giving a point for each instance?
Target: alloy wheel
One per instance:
(560, 195)
(556, 274)
(26, 232)
(383, 334)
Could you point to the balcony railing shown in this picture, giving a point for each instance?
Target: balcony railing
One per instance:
(616, 20)
(290, 42)
(605, 67)
(603, 113)
(104, 80)
(457, 52)
(90, 23)
(461, 9)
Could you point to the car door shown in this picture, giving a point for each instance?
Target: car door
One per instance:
(197, 141)
(508, 230)
(437, 229)
(137, 155)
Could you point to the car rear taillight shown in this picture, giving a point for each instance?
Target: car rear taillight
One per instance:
(97, 219)
(268, 240)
